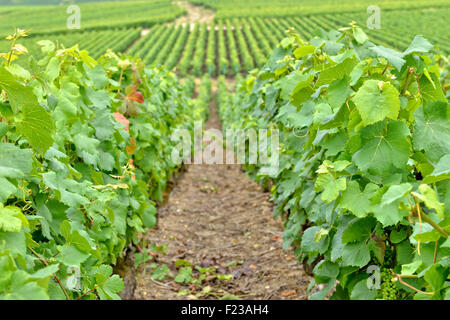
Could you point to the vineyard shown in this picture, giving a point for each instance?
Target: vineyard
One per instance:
(112, 180)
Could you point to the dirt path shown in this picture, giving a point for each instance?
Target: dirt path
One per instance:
(217, 218)
(194, 14)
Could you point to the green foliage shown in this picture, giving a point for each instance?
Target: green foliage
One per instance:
(361, 178)
(85, 153)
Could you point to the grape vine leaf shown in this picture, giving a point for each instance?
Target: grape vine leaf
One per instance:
(21, 287)
(361, 291)
(14, 162)
(337, 71)
(395, 192)
(358, 230)
(355, 201)
(6, 190)
(432, 130)
(383, 146)
(109, 287)
(395, 58)
(308, 243)
(9, 220)
(356, 254)
(330, 186)
(34, 122)
(3, 129)
(436, 276)
(360, 35)
(441, 171)
(389, 214)
(418, 44)
(71, 256)
(338, 92)
(376, 100)
(429, 196)
(325, 270)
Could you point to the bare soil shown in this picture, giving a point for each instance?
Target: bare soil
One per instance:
(216, 216)
(194, 14)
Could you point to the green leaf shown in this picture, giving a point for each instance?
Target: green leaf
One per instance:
(23, 288)
(355, 201)
(377, 100)
(52, 69)
(14, 162)
(395, 192)
(46, 272)
(441, 171)
(410, 268)
(3, 129)
(325, 270)
(15, 242)
(100, 99)
(308, 243)
(395, 58)
(389, 214)
(360, 35)
(330, 186)
(87, 148)
(34, 122)
(361, 291)
(338, 71)
(398, 236)
(161, 272)
(432, 130)
(303, 51)
(355, 254)
(10, 220)
(65, 109)
(6, 190)
(419, 44)
(293, 83)
(383, 146)
(109, 289)
(338, 92)
(359, 230)
(429, 196)
(436, 276)
(184, 275)
(71, 256)
(149, 217)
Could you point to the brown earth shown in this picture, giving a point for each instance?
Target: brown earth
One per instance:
(194, 14)
(217, 217)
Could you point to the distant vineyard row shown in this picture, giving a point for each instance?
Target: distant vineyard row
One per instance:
(290, 8)
(232, 46)
(46, 19)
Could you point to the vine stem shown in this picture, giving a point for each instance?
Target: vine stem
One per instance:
(434, 225)
(54, 277)
(385, 68)
(87, 292)
(428, 220)
(399, 278)
(435, 252)
(405, 87)
(120, 80)
(11, 51)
